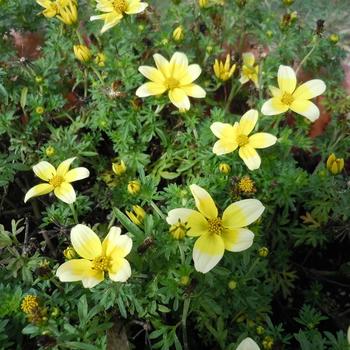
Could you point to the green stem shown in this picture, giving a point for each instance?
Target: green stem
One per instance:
(85, 82)
(157, 210)
(251, 269)
(182, 255)
(75, 217)
(184, 322)
(97, 73)
(306, 57)
(233, 93)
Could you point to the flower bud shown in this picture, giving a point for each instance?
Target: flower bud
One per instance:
(203, 3)
(232, 284)
(185, 280)
(100, 59)
(50, 151)
(137, 215)
(29, 304)
(288, 2)
(178, 33)
(40, 110)
(260, 330)
(263, 252)
(335, 165)
(82, 53)
(178, 231)
(69, 253)
(68, 14)
(334, 38)
(119, 168)
(134, 186)
(224, 168)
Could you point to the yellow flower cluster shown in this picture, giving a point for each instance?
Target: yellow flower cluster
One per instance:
(65, 10)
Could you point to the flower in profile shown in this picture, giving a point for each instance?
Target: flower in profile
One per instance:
(82, 53)
(249, 70)
(65, 10)
(97, 258)
(224, 71)
(137, 215)
(176, 77)
(134, 186)
(178, 33)
(57, 180)
(119, 168)
(216, 234)
(178, 230)
(248, 344)
(287, 96)
(51, 8)
(335, 165)
(68, 14)
(236, 136)
(114, 11)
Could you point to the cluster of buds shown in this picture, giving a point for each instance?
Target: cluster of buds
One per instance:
(223, 70)
(31, 307)
(335, 165)
(83, 54)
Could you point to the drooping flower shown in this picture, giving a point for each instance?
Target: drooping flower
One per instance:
(58, 180)
(249, 70)
(224, 71)
(216, 234)
(176, 77)
(114, 11)
(248, 344)
(236, 136)
(287, 96)
(335, 165)
(97, 258)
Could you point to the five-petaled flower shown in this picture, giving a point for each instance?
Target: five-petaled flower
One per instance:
(236, 136)
(216, 234)
(58, 180)
(287, 96)
(176, 77)
(97, 258)
(249, 70)
(114, 11)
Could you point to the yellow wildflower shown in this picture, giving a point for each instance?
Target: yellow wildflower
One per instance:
(335, 165)
(178, 33)
(69, 253)
(82, 53)
(114, 11)
(216, 234)
(119, 168)
(58, 180)
(236, 136)
(249, 70)
(68, 14)
(52, 8)
(137, 215)
(203, 3)
(134, 186)
(100, 59)
(50, 151)
(178, 230)
(287, 96)
(175, 76)
(98, 258)
(29, 304)
(248, 344)
(224, 71)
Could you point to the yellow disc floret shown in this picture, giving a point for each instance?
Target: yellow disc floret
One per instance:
(215, 226)
(29, 304)
(242, 140)
(287, 98)
(101, 263)
(56, 181)
(120, 5)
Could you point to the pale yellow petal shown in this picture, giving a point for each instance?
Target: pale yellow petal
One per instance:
(242, 213)
(248, 59)
(85, 242)
(111, 20)
(44, 3)
(38, 190)
(310, 89)
(243, 79)
(274, 106)
(152, 74)
(207, 252)
(204, 202)
(306, 108)
(224, 130)
(120, 271)
(276, 92)
(194, 90)
(262, 140)
(179, 98)
(64, 166)
(224, 146)
(74, 270)
(76, 174)
(44, 170)
(105, 6)
(178, 65)
(92, 278)
(136, 7)
(237, 240)
(116, 245)
(250, 157)
(287, 79)
(192, 72)
(248, 344)
(179, 214)
(247, 122)
(162, 64)
(65, 192)
(150, 89)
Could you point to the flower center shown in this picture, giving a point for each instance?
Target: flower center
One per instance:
(120, 5)
(172, 83)
(102, 263)
(287, 99)
(246, 184)
(242, 140)
(215, 226)
(56, 181)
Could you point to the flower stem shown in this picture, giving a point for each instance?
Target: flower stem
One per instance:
(184, 322)
(157, 210)
(233, 93)
(182, 255)
(75, 217)
(306, 57)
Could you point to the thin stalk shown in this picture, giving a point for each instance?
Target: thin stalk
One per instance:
(182, 255)
(85, 83)
(306, 57)
(233, 93)
(184, 322)
(75, 216)
(157, 210)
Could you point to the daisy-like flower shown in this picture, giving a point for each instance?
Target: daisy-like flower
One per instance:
(57, 180)
(224, 71)
(236, 136)
(216, 234)
(248, 344)
(249, 70)
(176, 77)
(114, 11)
(287, 96)
(97, 258)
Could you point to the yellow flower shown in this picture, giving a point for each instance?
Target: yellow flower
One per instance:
(287, 96)
(52, 8)
(68, 14)
(29, 304)
(65, 10)
(249, 70)
(268, 343)
(134, 186)
(175, 76)
(178, 33)
(216, 234)
(203, 3)
(335, 165)
(224, 71)
(246, 185)
(98, 257)
(50, 151)
(119, 168)
(100, 59)
(82, 53)
(137, 215)
(248, 344)
(40, 109)
(236, 136)
(58, 180)
(114, 11)
(178, 230)
(224, 168)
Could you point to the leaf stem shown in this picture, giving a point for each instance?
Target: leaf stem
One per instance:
(75, 217)
(184, 322)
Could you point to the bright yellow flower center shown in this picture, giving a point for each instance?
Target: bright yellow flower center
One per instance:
(102, 263)
(172, 83)
(287, 99)
(120, 5)
(56, 181)
(215, 226)
(242, 140)
(246, 184)
(29, 304)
